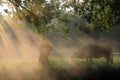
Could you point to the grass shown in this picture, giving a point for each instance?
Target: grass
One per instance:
(60, 62)
(79, 69)
(60, 68)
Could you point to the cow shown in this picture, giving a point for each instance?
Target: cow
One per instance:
(95, 51)
(45, 51)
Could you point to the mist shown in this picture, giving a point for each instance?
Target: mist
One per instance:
(20, 51)
(23, 51)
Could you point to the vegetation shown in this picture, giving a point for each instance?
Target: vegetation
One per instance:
(56, 15)
(98, 14)
(79, 69)
(61, 69)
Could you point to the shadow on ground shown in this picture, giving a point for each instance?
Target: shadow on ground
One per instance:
(91, 72)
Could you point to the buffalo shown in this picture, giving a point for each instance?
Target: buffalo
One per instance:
(95, 51)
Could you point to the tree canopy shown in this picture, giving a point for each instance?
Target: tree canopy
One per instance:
(98, 14)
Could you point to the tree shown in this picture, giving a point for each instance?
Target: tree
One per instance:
(99, 14)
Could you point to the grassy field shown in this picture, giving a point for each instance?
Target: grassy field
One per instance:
(79, 69)
(60, 68)
(60, 62)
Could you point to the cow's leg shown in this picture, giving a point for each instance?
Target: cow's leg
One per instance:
(109, 59)
(89, 60)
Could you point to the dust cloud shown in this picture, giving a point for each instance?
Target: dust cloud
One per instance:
(17, 42)
(20, 51)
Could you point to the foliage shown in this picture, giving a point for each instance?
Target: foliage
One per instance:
(99, 14)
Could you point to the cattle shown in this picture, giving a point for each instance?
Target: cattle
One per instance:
(45, 51)
(95, 51)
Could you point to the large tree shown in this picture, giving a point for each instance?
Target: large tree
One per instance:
(99, 14)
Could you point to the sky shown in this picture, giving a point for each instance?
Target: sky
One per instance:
(3, 7)
(7, 7)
